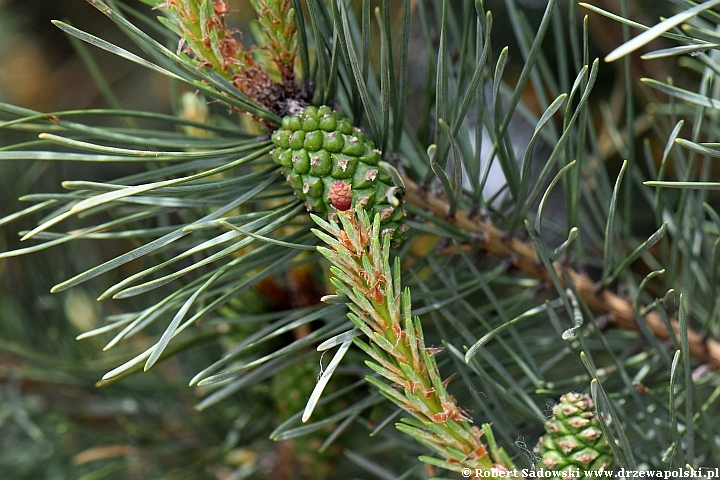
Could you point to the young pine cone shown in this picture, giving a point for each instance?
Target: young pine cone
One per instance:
(328, 162)
(573, 440)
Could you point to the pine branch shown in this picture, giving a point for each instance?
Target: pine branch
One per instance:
(279, 36)
(525, 258)
(381, 309)
(204, 35)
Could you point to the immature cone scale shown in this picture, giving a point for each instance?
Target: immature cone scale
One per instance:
(574, 442)
(330, 163)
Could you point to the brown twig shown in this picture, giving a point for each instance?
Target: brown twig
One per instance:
(525, 259)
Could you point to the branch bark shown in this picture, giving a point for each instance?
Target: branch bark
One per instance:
(525, 259)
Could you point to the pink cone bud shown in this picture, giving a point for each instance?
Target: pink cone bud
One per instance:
(341, 196)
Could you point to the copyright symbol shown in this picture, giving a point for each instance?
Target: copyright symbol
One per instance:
(466, 472)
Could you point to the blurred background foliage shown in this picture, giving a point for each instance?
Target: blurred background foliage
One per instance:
(56, 423)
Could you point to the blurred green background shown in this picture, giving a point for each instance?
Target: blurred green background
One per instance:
(55, 423)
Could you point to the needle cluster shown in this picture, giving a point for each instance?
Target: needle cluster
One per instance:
(381, 309)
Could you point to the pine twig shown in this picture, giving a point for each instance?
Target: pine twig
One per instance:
(279, 36)
(204, 35)
(381, 309)
(525, 258)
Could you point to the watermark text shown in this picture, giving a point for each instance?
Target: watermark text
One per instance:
(702, 472)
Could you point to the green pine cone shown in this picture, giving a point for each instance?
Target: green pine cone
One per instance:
(330, 163)
(573, 440)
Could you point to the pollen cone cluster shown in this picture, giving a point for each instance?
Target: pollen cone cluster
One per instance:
(330, 163)
(574, 442)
